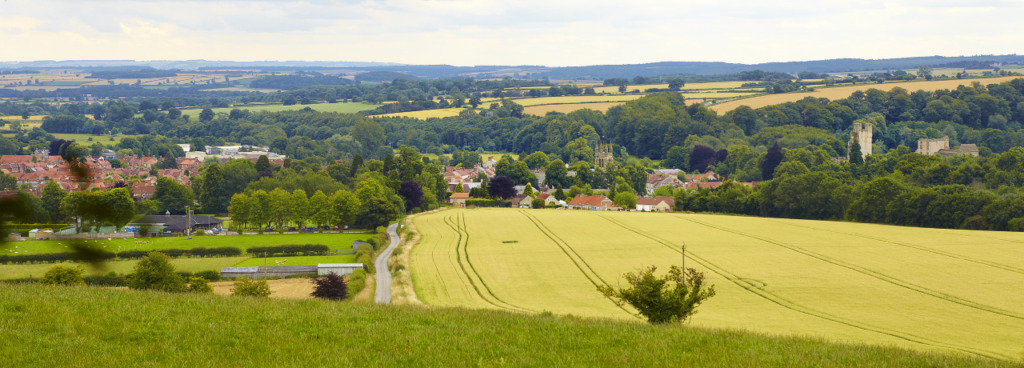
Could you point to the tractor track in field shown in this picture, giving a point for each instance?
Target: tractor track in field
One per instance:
(566, 248)
(874, 274)
(752, 286)
(462, 251)
(918, 247)
(433, 259)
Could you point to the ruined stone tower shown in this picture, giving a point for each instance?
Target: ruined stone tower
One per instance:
(862, 134)
(603, 155)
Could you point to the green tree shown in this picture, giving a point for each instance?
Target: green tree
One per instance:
(556, 175)
(173, 196)
(261, 211)
(280, 207)
(245, 286)
(856, 157)
(625, 200)
(213, 189)
(53, 194)
(321, 211)
(537, 160)
(206, 115)
(368, 133)
(300, 207)
(240, 210)
(671, 298)
(63, 275)
(120, 207)
(345, 207)
(155, 272)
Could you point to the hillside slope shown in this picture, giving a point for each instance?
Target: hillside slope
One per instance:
(62, 326)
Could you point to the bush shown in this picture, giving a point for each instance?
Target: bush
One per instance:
(155, 272)
(671, 298)
(330, 286)
(245, 286)
(537, 203)
(61, 275)
(356, 282)
(200, 232)
(209, 275)
(199, 285)
(374, 242)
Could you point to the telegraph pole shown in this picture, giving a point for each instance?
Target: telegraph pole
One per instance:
(683, 253)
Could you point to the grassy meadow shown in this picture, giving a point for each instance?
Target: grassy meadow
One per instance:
(296, 261)
(21, 271)
(53, 326)
(333, 241)
(952, 291)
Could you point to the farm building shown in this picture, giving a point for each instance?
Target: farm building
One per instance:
(593, 203)
(257, 272)
(340, 269)
(459, 199)
(656, 204)
(177, 223)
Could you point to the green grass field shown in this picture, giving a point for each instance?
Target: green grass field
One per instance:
(86, 326)
(297, 261)
(341, 242)
(926, 289)
(37, 270)
(340, 107)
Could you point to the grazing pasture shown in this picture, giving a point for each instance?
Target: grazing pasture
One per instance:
(928, 289)
(333, 241)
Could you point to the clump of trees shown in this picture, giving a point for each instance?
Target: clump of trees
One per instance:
(671, 298)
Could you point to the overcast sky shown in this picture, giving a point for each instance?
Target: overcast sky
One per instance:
(477, 32)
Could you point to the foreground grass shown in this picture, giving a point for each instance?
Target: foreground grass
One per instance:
(83, 326)
(342, 242)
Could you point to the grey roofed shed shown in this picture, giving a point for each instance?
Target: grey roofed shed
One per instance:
(341, 269)
(256, 272)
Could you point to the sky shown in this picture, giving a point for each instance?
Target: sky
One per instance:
(488, 32)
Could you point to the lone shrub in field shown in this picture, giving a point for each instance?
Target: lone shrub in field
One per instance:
(671, 298)
(155, 272)
(199, 285)
(330, 286)
(245, 286)
(61, 275)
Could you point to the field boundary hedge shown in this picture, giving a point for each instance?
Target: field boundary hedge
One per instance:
(290, 250)
(128, 254)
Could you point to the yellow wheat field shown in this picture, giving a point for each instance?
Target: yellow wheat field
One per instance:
(845, 91)
(929, 289)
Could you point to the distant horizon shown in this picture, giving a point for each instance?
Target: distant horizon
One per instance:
(357, 63)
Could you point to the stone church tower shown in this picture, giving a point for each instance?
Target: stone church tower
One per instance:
(603, 155)
(862, 134)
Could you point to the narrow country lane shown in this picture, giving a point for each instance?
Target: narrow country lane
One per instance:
(383, 295)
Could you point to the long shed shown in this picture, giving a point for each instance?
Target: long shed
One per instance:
(341, 269)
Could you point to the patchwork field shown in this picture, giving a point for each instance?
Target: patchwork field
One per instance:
(340, 107)
(927, 289)
(845, 91)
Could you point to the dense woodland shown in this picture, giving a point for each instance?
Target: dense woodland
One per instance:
(796, 150)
